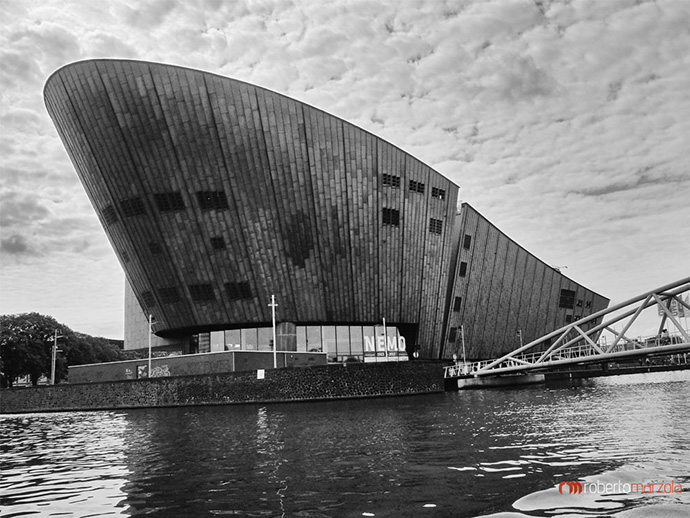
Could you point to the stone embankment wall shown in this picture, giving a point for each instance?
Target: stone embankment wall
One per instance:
(282, 385)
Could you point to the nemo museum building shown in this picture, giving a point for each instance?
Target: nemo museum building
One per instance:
(217, 195)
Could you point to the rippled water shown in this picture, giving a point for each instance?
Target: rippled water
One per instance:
(486, 452)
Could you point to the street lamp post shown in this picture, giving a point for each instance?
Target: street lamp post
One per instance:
(148, 374)
(273, 307)
(54, 357)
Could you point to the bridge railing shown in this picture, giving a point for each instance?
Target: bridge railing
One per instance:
(582, 340)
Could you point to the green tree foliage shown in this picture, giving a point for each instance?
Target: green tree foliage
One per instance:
(26, 342)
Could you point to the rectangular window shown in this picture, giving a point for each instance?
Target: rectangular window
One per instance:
(109, 215)
(452, 336)
(435, 226)
(155, 248)
(588, 304)
(579, 303)
(218, 243)
(169, 201)
(212, 200)
(463, 269)
(568, 319)
(201, 292)
(149, 301)
(457, 303)
(132, 207)
(567, 299)
(238, 290)
(467, 243)
(391, 180)
(437, 193)
(417, 187)
(168, 295)
(391, 217)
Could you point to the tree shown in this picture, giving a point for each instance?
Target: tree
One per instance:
(25, 345)
(26, 342)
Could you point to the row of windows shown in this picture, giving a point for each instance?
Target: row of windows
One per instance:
(340, 343)
(199, 293)
(165, 202)
(390, 180)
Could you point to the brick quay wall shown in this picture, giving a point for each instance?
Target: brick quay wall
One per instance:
(338, 381)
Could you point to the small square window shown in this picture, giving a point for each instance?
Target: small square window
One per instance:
(132, 207)
(467, 243)
(567, 300)
(212, 200)
(109, 215)
(458, 303)
(568, 319)
(588, 304)
(391, 217)
(435, 226)
(169, 201)
(149, 300)
(155, 248)
(417, 187)
(391, 180)
(579, 303)
(238, 290)
(201, 292)
(168, 295)
(218, 243)
(463, 269)
(125, 256)
(437, 193)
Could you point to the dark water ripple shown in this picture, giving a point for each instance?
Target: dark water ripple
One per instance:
(457, 454)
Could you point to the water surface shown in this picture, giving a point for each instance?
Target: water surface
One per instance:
(500, 452)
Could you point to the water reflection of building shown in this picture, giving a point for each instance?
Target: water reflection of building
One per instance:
(216, 194)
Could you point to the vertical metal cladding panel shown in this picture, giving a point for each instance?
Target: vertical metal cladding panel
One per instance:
(391, 235)
(473, 314)
(513, 321)
(278, 222)
(318, 135)
(535, 298)
(479, 330)
(545, 299)
(437, 254)
(520, 304)
(358, 189)
(506, 324)
(237, 156)
(260, 208)
(341, 212)
(494, 318)
(412, 237)
(371, 233)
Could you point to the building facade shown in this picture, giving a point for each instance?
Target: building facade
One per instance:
(217, 194)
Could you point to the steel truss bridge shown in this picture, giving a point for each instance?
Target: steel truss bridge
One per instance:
(581, 342)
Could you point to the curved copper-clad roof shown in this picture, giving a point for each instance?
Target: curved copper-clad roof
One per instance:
(216, 194)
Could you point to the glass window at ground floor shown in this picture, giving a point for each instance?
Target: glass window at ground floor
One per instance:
(314, 343)
(301, 339)
(328, 341)
(265, 338)
(249, 340)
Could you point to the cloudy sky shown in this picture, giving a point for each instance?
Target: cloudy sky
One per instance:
(566, 123)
